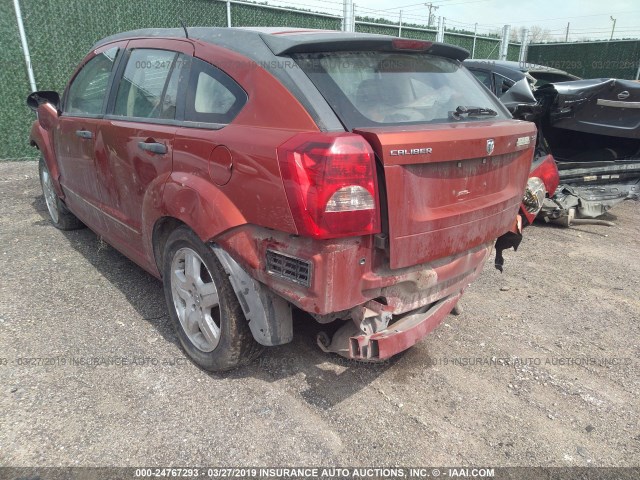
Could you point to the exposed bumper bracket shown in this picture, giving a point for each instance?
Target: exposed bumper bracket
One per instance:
(268, 314)
(353, 341)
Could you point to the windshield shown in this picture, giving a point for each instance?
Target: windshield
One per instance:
(388, 88)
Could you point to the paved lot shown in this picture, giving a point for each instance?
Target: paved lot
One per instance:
(542, 368)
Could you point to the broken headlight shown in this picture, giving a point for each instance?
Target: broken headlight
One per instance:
(534, 195)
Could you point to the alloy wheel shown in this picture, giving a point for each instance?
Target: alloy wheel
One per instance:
(195, 298)
(50, 196)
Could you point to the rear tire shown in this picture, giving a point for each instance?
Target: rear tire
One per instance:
(59, 214)
(208, 318)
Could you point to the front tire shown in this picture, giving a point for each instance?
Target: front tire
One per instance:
(59, 214)
(205, 310)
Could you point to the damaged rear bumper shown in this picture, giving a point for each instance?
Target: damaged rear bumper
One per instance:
(403, 333)
(344, 274)
(384, 311)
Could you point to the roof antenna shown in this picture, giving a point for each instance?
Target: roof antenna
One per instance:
(186, 33)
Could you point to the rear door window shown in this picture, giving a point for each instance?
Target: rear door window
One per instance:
(87, 91)
(503, 84)
(484, 77)
(212, 95)
(387, 88)
(149, 85)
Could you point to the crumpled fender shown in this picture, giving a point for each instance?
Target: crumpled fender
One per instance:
(41, 139)
(198, 203)
(205, 208)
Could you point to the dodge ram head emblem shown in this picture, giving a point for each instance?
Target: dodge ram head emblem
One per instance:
(490, 146)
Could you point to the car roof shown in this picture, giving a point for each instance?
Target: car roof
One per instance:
(202, 33)
(264, 46)
(284, 40)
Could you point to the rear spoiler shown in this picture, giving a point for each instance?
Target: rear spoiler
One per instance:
(340, 42)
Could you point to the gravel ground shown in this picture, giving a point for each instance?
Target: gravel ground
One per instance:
(542, 367)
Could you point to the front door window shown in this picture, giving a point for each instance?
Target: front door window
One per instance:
(86, 93)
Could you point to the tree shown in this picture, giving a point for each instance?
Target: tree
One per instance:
(537, 34)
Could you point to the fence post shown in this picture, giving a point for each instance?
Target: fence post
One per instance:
(440, 34)
(25, 46)
(504, 43)
(348, 16)
(228, 14)
(400, 25)
(475, 35)
(523, 47)
(353, 17)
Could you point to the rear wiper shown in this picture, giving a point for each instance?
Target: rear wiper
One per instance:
(472, 112)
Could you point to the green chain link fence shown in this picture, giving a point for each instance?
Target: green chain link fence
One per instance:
(243, 15)
(419, 34)
(487, 48)
(616, 59)
(463, 41)
(61, 32)
(513, 52)
(362, 27)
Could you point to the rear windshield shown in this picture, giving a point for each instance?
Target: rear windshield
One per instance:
(388, 88)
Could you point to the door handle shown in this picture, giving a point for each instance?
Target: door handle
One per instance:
(153, 147)
(84, 134)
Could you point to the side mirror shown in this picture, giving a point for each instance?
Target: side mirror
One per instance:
(36, 99)
(47, 115)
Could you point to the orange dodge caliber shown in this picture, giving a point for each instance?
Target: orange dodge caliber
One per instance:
(361, 178)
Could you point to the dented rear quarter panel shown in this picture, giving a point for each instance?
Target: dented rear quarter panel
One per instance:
(252, 191)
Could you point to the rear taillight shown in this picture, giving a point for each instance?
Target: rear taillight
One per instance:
(331, 185)
(534, 195)
(548, 172)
